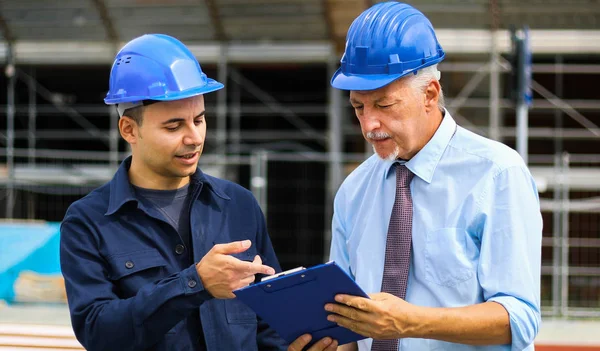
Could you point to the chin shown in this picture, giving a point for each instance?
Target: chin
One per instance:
(388, 155)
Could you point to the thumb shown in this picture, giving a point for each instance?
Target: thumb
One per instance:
(232, 248)
(257, 260)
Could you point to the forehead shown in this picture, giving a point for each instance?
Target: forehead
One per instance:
(191, 106)
(396, 89)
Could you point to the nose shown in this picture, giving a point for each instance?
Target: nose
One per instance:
(194, 135)
(369, 120)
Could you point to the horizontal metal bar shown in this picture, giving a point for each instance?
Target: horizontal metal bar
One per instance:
(69, 52)
(592, 312)
(574, 271)
(250, 135)
(574, 242)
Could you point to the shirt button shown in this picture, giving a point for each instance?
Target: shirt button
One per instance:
(191, 283)
(129, 264)
(179, 249)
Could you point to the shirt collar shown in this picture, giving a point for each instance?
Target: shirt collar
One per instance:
(424, 163)
(121, 190)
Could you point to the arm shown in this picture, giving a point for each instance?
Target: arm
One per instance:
(103, 321)
(338, 251)
(509, 273)
(509, 270)
(482, 324)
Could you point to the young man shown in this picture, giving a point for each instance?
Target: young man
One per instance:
(445, 224)
(150, 259)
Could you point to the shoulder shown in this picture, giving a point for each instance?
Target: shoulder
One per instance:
(478, 149)
(93, 204)
(228, 190)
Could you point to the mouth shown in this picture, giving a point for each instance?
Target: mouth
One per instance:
(378, 140)
(188, 156)
(188, 159)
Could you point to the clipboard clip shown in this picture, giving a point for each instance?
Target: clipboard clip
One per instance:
(289, 271)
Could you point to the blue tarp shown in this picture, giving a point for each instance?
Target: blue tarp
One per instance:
(27, 247)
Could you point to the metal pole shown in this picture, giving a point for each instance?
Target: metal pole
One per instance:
(494, 129)
(114, 137)
(236, 119)
(336, 147)
(10, 131)
(522, 124)
(32, 112)
(556, 235)
(558, 114)
(31, 136)
(558, 213)
(564, 291)
(524, 97)
(222, 103)
(258, 178)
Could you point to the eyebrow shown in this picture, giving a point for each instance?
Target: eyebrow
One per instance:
(383, 98)
(179, 119)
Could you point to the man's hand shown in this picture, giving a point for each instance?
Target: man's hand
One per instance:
(222, 273)
(325, 344)
(384, 316)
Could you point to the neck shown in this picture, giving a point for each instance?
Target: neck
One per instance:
(143, 177)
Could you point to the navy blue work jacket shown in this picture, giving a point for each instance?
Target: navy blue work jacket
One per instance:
(130, 286)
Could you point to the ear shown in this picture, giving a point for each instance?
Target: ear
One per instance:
(128, 129)
(432, 94)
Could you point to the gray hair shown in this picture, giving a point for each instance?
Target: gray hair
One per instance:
(421, 80)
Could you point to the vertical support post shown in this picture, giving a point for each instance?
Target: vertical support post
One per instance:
(222, 103)
(31, 139)
(556, 235)
(11, 74)
(32, 114)
(258, 178)
(336, 148)
(236, 113)
(522, 58)
(114, 137)
(495, 122)
(494, 128)
(565, 210)
(522, 130)
(558, 113)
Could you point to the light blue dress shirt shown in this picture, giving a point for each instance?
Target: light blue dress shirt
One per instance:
(476, 231)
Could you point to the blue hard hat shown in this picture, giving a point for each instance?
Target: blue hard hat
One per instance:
(156, 67)
(386, 42)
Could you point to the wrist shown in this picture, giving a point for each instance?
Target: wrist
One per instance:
(418, 323)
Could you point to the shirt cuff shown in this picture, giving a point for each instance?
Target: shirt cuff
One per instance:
(192, 285)
(524, 321)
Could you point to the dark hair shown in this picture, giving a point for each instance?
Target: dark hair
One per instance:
(135, 113)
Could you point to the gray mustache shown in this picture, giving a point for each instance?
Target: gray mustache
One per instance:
(377, 135)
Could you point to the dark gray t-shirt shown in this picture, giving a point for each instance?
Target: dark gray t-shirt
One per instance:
(174, 205)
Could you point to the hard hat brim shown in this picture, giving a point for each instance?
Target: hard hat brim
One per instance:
(210, 86)
(361, 82)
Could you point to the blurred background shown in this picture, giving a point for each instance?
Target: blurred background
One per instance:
(523, 72)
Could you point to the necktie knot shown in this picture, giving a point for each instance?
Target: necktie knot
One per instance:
(403, 176)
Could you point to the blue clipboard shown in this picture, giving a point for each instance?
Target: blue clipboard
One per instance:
(293, 303)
